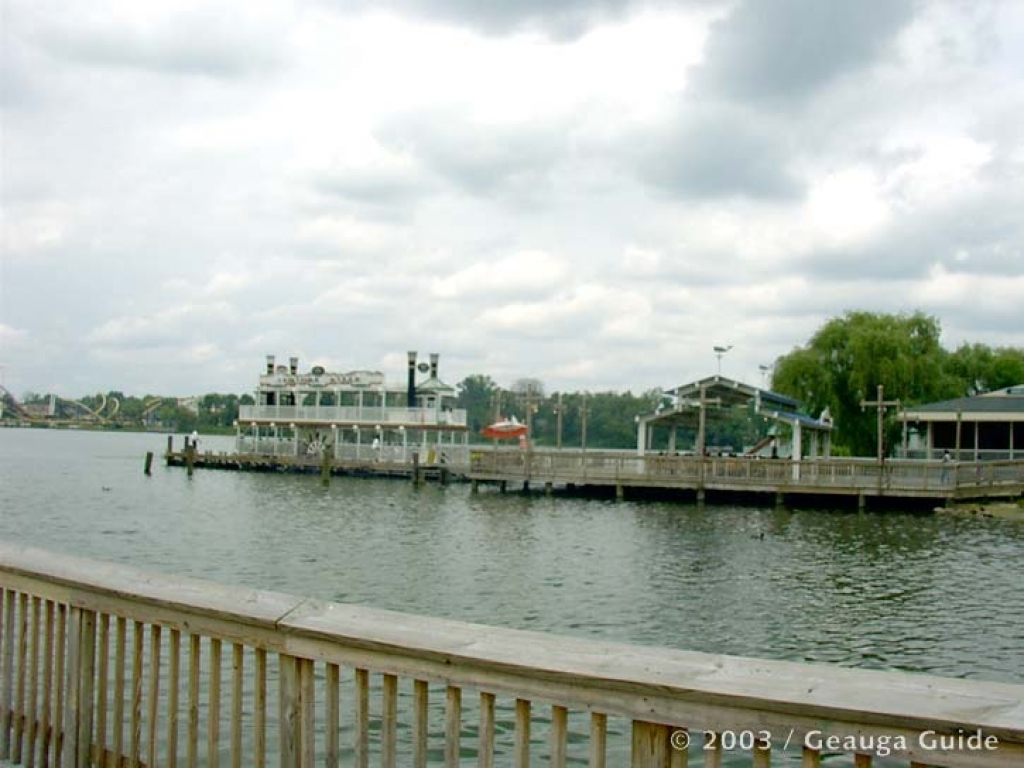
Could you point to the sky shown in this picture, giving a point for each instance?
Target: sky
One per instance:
(592, 193)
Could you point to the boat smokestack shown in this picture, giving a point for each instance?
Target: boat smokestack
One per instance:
(433, 365)
(270, 364)
(411, 392)
(293, 365)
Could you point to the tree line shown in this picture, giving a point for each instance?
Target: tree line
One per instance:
(839, 368)
(845, 361)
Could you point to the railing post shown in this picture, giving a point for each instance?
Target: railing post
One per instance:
(288, 711)
(86, 686)
(652, 747)
(6, 698)
(70, 684)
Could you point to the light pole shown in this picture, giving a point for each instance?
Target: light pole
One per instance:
(719, 352)
(765, 371)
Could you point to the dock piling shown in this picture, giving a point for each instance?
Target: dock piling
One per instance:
(417, 477)
(148, 468)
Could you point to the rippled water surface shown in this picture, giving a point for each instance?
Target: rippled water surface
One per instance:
(936, 593)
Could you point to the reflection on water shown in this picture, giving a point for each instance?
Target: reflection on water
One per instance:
(917, 592)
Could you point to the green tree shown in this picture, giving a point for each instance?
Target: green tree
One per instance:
(850, 356)
(981, 369)
(476, 396)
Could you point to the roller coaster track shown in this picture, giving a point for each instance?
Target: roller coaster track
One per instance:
(96, 413)
(10, 401)
(12, 404)
(152, 405)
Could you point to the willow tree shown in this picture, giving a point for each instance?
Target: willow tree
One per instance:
(983, 369)
(848, 357)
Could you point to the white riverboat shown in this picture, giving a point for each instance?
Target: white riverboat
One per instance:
(355, 415)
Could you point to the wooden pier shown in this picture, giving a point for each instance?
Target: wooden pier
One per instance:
(412, 469)
(105, 664)
(620, 473)
(734, 477)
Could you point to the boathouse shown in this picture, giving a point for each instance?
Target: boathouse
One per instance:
(694, 403)
(983, 427)
(356, 415)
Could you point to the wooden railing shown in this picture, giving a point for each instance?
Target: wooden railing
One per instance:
(737, 472)
(109, 665)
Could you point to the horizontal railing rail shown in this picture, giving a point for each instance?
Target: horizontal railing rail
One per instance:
(737, 472)
(342, 416)
(106, 664)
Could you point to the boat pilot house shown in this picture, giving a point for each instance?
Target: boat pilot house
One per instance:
(357, 415)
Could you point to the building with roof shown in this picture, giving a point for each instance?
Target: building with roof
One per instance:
(695, 402)
(988, 426)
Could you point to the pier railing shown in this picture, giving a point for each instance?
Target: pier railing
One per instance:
(108, 665)
(853, 475)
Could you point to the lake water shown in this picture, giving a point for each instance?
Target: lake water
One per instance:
(932, 593)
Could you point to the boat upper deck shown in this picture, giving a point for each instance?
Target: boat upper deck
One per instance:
(341, 416)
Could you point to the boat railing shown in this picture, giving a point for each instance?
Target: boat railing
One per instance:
(283, 415)
(107, 664)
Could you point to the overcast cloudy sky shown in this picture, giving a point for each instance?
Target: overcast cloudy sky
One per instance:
(590, 192)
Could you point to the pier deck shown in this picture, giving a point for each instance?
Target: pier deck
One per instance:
(620, 471)
(250, 462)
(846, 477)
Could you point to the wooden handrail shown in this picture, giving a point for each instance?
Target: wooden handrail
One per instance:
(659, 690)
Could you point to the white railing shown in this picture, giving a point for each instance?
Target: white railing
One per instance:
(342, 416)
(107, 665)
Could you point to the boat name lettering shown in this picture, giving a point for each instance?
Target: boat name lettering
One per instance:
(352, 379)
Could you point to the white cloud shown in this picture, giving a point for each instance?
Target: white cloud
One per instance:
(163, 328)
(11, 338)
(512, 275)
(593, 194)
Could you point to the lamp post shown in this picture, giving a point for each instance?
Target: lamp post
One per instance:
(765, 371)
(719, 352)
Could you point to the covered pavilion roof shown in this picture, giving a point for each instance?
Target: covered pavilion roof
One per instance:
(722, 392)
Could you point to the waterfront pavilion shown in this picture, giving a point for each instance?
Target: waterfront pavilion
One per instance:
(690, 412)
(988, 426)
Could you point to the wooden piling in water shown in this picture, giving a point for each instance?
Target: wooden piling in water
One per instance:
(325, 468)
(148, 468)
